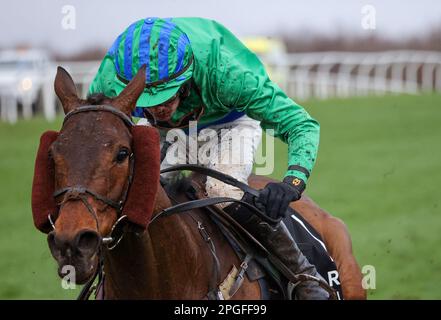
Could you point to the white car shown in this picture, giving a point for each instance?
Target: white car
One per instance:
(22, 75)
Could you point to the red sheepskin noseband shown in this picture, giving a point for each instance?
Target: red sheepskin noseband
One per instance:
(142, 192)
(141, 196)
(43, 201)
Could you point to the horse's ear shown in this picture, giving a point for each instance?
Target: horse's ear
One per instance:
(66, 90)
(126, 101)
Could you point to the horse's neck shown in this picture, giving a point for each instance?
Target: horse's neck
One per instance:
(159, 264)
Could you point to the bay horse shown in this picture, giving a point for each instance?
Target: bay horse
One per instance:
(168, 260)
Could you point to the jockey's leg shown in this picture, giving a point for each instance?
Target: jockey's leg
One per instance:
(231, 153)
(278, 240)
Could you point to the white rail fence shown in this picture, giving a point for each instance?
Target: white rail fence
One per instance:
(319, 75)
(342, 74)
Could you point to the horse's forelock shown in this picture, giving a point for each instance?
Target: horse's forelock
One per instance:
(96, 98)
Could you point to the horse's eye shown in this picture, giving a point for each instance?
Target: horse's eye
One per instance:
(122, 155)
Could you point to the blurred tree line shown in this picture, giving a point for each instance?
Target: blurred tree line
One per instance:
(307, 41)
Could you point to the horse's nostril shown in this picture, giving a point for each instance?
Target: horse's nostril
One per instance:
(88, 241)
(54, 245)
(51, 238)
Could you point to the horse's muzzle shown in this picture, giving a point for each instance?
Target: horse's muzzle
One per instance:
(77, 257)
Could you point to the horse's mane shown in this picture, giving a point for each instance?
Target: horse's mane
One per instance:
(177, 185)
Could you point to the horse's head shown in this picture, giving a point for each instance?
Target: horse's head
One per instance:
(92, 159)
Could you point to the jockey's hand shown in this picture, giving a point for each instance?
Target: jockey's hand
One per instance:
(276, 196)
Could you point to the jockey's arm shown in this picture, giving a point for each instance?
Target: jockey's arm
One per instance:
(247, 87)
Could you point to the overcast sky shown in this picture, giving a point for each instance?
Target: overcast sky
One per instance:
(98, 22)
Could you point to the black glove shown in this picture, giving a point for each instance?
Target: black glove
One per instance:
(276, 196)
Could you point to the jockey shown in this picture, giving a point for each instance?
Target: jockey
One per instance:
(198, 70)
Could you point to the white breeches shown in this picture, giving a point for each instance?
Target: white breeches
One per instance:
(229, 148)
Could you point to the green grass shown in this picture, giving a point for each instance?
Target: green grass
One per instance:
(27, 269)
(378, 169)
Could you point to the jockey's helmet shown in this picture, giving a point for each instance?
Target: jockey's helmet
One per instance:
(164, 48)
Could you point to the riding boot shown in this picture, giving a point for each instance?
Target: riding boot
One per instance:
(279, 242)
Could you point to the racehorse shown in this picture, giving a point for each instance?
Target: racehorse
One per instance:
(105, 170)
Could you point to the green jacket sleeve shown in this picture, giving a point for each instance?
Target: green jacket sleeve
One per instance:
(245, 85)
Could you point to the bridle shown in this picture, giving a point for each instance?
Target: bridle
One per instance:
(79, 192)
